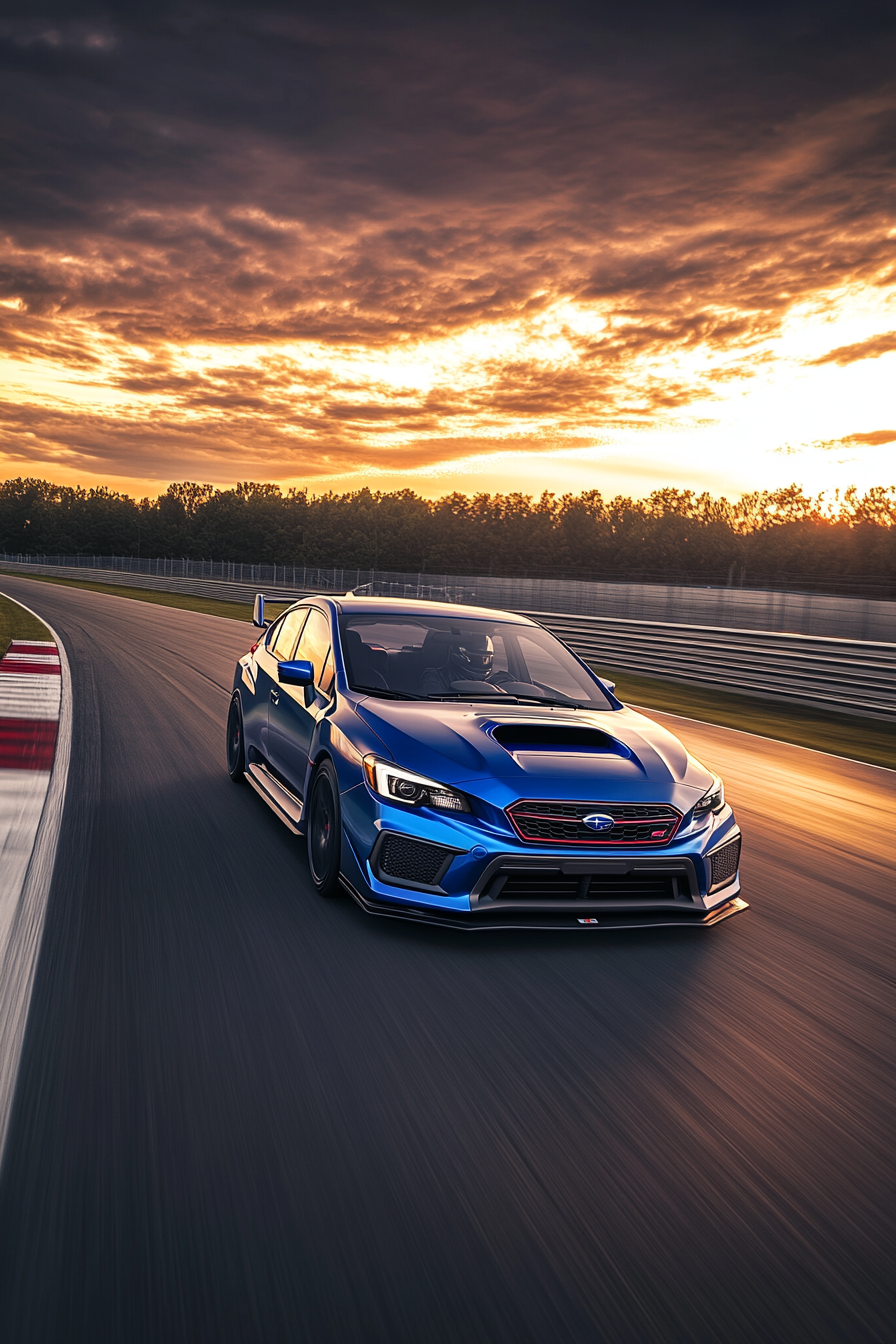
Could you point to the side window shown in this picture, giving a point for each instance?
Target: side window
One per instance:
(271, 634)
(328, 676)
(287, 634)
(315, 645)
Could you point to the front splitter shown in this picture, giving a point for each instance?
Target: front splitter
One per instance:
(566, 923)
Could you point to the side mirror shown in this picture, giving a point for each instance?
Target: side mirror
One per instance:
(297, 673)
(610, 685)
(258, 612)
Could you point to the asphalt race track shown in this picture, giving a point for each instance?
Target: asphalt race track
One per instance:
(247, 1114)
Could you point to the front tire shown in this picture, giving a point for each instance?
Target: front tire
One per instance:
(236, 746)
(324, 831)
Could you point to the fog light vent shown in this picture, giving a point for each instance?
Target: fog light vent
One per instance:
(724, 863)
(412, 861)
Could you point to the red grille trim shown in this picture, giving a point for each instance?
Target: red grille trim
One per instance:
(631, 830)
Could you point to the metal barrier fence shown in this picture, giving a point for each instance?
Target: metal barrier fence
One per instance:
(852, 676)
(731, 608)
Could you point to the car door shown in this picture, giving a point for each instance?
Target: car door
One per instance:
(256, 687)
(276, 647)
(293, 712)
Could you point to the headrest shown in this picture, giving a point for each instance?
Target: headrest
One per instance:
(435, 647)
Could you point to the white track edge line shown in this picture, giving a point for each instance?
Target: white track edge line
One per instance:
(20, 956)
(760, 737)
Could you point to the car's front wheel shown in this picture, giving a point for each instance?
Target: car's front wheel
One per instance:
(236, 748)
(324, 830)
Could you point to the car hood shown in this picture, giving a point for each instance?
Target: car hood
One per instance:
(538, 752)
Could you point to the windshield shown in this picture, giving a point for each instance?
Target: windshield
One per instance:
(440, 657)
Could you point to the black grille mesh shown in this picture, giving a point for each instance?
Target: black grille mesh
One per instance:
(410, 860)
(724, 862)
(635, 823)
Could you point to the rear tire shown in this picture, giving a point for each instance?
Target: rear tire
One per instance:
(236, 746)
(324, 831)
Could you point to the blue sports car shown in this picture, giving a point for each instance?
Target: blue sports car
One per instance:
(462, 766)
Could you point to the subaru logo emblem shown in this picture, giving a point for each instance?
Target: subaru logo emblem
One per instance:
(598, 821)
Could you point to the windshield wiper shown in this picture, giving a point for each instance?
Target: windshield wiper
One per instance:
(471, 695)
(550, 700)
(385, 693)
(508, 699)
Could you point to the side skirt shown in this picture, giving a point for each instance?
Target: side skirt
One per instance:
(279, 799)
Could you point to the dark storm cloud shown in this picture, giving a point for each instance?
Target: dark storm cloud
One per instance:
(363, 176)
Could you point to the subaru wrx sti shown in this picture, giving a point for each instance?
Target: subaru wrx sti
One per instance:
(464, 767)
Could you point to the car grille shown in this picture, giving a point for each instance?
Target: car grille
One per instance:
(562, 823)
(547, 886)
(411, 860)
(724, 863)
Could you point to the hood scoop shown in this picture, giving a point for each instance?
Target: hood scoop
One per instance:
(557, 739)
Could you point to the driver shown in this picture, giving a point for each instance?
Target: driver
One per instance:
(470, 658)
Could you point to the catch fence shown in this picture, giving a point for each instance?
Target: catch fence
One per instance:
(802, 613)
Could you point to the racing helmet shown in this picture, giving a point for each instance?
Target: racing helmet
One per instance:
(472, 657)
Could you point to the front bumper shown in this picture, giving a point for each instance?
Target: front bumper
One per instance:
(463, 877)
(554, 919)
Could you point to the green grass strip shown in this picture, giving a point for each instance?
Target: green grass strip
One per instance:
(860, 739)
(16, 623)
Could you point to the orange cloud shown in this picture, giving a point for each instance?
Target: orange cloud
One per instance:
(873, 348)
(875, 438)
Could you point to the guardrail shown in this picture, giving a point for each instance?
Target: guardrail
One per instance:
(848, 675)
(851, 676)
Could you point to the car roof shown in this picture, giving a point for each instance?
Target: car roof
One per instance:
(415, 606)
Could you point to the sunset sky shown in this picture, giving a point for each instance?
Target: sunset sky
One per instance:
(449, 246)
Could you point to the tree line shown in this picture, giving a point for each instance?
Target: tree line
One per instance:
(838, 543)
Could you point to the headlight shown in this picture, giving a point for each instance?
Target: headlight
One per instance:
(403, 786)
(713, 799)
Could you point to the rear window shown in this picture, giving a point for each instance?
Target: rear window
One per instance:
(390, 635)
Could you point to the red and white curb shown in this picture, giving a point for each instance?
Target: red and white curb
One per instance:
(35, 747)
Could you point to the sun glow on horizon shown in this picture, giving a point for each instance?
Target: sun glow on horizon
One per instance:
(550, 398)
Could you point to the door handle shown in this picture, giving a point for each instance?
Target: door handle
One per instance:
(275, 697)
